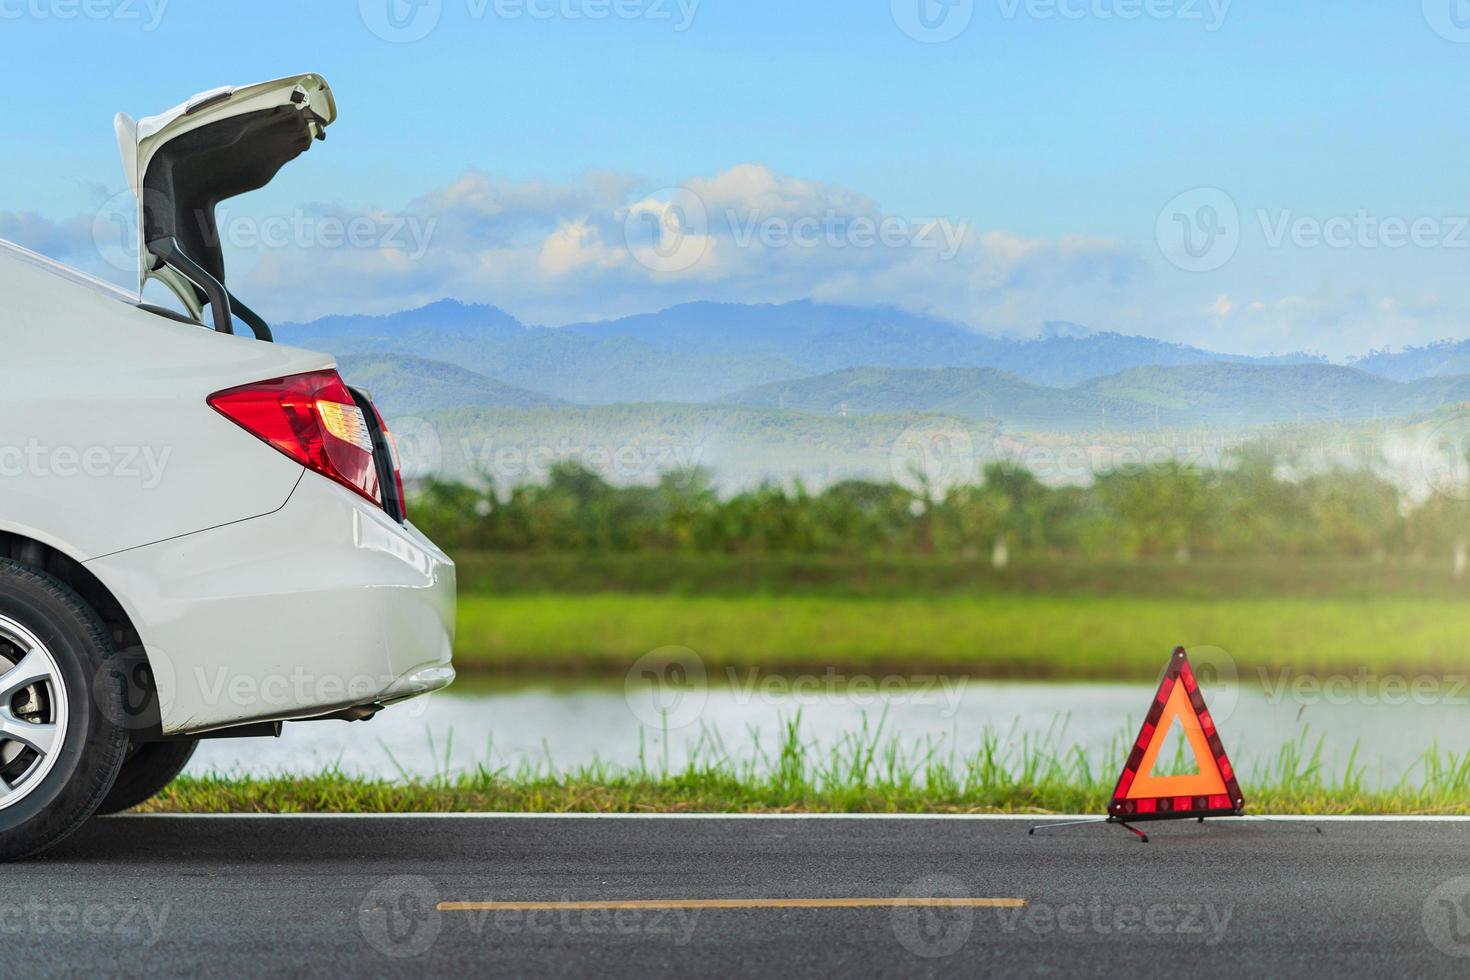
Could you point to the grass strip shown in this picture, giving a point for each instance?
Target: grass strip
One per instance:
(864, 772)
(885, 575)
(1003, 636)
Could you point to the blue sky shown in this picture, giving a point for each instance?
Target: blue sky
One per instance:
(1049, 135)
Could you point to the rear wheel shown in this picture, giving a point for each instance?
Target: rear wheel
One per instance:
(59, 749)
(147, 772)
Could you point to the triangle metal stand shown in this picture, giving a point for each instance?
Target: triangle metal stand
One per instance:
(1142, 837)
(1262, 816)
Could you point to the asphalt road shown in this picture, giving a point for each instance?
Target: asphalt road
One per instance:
(186, 896)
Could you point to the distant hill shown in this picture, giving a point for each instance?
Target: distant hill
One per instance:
(1254, 394)
(403, 385)
(701, 352)
(1444, 359)
(560, 363)
(824, 338)
(446, 318)
(1219, 394)
(974, 393)
(760, 392)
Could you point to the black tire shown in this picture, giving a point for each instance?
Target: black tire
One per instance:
(91, 748)
(148, 770)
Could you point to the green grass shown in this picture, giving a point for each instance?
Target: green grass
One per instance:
(863, 773)
(1034, 636)
(883, 576)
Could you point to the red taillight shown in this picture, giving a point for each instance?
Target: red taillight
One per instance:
(313, 419)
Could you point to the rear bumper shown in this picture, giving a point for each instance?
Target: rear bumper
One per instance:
(324, 605)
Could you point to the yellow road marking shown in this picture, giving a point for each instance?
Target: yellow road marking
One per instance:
(738, 903)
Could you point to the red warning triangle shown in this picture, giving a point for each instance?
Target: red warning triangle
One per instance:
(1212, 792)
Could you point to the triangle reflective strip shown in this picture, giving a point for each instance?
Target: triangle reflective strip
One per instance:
(1213, 791)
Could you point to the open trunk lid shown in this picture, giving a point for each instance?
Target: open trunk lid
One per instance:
(182, 163)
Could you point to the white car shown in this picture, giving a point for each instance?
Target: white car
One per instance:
(202, 533)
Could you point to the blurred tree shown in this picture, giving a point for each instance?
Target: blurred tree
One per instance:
(1254, 505)
(1159, 509)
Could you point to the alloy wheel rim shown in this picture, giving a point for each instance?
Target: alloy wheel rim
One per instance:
(33, 712)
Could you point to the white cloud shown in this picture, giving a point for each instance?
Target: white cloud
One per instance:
(575, 246)
(606, 245)
(602, 246)
(64, 240)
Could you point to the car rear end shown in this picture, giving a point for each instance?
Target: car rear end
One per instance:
(201, 533)
(329, 602)
(331, 605)
(239, 501)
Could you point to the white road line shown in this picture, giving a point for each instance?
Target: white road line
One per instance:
(736, 904)
(1035, 818)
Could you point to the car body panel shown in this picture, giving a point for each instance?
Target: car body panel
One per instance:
(244, 158)
(138, 140)
(106, 442)
(326, 604)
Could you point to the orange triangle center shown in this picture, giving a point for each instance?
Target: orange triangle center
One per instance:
(1207, 782)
